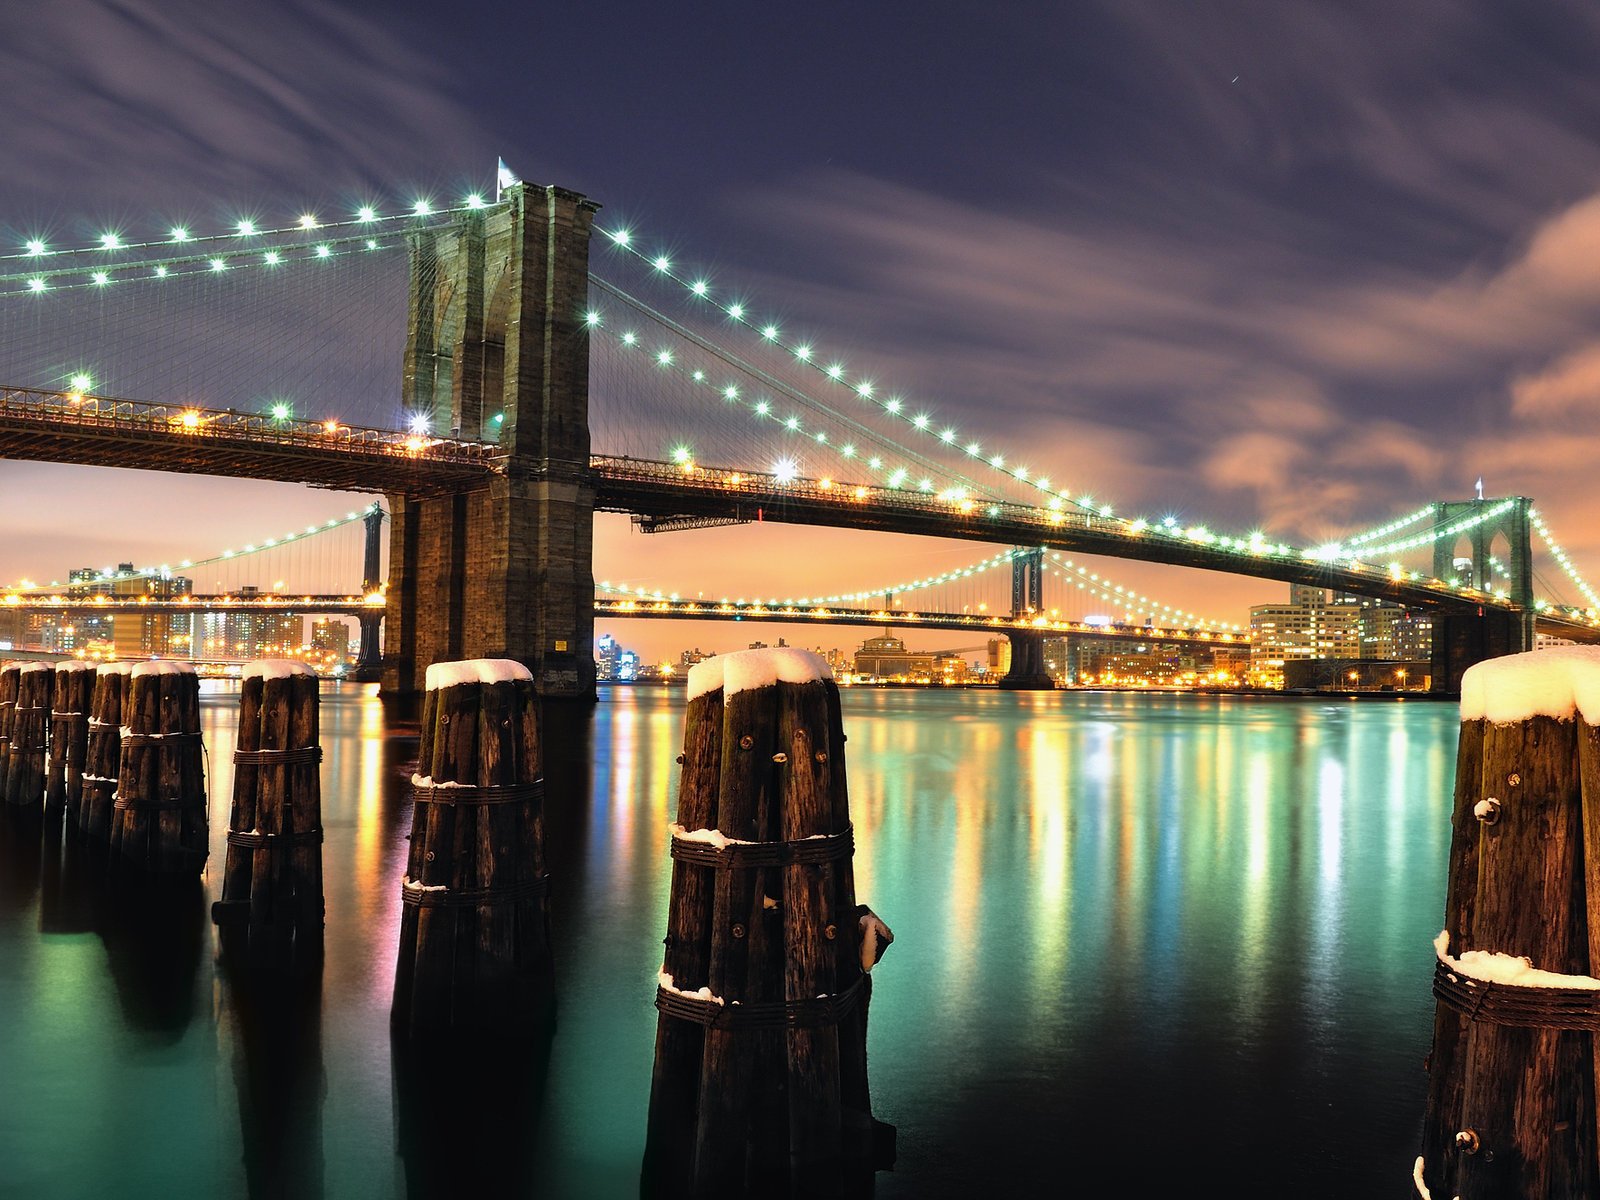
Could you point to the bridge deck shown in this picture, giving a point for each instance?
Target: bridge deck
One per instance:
(42, 426)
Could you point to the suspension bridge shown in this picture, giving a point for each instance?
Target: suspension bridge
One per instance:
(537, 388)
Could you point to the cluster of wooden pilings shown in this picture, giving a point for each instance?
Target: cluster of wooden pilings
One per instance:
(1511, 1111)
(272, 880)
(474, 926)
(113, 752)
(760, 1079)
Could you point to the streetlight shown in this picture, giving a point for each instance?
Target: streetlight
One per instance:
(1354, 677)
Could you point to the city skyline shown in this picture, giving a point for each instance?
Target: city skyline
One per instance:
(1332, 306)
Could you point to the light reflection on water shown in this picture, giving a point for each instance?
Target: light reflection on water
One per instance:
(1171, 933)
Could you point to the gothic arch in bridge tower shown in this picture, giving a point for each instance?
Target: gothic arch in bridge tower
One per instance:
(1486, 525)
(496, 350)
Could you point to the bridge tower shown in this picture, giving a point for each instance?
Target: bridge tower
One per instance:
(496, 350)
(1459, 640)
(369, 665)
(1027, 671)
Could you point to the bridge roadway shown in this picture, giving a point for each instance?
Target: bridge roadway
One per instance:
(68, 427)
(700, 610)
(347, 606)
(689, 610)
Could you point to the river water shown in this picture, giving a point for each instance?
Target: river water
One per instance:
(1181, 940)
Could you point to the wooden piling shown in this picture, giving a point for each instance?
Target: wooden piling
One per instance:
(28, 734)
(69, 738)
(474, 926)
(1511, 1097)
(10, 681)
(159, 820)
(102, 755)
(272, 878)
(758, 1085)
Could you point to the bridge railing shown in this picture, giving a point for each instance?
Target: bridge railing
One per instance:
(88, 411)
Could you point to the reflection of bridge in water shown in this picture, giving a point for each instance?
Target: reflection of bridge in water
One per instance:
(492, 482)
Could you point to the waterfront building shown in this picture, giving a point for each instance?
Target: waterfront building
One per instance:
(1312, 627)
(134, 634)
(330, 640)
(886, 657)
(246, 635)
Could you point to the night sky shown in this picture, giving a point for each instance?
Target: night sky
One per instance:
(1303, 266)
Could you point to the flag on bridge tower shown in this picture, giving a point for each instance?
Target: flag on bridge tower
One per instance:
(1480, 487)
(503, 178)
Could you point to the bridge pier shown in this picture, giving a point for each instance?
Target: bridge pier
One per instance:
(1027, 673)
(497, 347)
(369, 663)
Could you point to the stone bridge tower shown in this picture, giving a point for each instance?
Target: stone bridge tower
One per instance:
(1461, 640)
(497, 350)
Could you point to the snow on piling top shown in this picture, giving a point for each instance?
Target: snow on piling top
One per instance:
(275, 668)
(746, 669)
(162, 666)
(74, 664)
(37, 666)
(114, 668)
(475, 670)
(1559, 682)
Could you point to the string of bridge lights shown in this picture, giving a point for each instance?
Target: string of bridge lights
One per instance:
(196, 260)
(760, 406)
(166, 569)
(365, 217)
(1561, 557)
(1392, 527)
(806, 356)
(1143, 605)
(1084, 579)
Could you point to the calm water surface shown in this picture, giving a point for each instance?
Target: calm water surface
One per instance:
(1183, 939)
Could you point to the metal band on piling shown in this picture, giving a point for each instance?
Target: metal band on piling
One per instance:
(735, 856)
(1517, 1004)
(140, 804)
(426, 897)
(269, 758)
(143, 739)
(255, 840)
(777, 1014)
(507, 793)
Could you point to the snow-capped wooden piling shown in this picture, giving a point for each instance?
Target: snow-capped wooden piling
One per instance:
(474, 925)
(102, 755)
(69, 738)
(10, 681)
(759, 1084)
(159, 821)
(272, 877)
(29, 738)
(1512, 1073)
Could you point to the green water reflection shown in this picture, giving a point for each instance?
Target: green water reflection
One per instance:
(1171, 934)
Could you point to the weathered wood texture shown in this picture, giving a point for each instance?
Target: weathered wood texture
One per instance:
(759, 1087)
(474, 927)
(159, 820)
(10, 681)
(1511, 1107)
(103, 752)
(272, 876)
(69, 739)
(22, 780)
